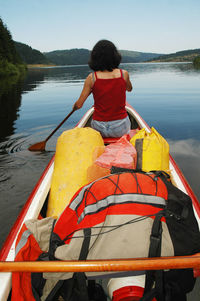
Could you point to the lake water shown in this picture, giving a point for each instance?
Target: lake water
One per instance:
(167, 96)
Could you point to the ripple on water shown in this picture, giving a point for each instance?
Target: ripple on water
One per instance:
(14, 144)
(3, 176)
(19, 168)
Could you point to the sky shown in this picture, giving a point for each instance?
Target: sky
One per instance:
(158, 26)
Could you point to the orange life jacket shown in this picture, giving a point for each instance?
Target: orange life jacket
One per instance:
(27, 249)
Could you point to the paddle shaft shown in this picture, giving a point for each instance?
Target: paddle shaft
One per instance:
(40, 146)
(60, 125)
(162, 263)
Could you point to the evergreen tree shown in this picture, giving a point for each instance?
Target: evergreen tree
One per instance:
(10, 61)
(29, 55)
(196, 62)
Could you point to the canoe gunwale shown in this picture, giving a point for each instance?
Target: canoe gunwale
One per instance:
(26, 211)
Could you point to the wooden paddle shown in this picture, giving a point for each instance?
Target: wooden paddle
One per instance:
(40, 146)
(135, 264)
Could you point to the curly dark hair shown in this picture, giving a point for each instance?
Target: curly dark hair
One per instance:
(104, 56)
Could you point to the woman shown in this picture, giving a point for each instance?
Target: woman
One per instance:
(108, 85)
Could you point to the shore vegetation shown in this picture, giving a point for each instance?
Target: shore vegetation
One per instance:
(10, 61)
(196, 62)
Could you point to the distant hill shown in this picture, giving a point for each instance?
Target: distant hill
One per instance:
(68, 57)
(136, 57)
(180, 56)
(81, 56)
(29, 55)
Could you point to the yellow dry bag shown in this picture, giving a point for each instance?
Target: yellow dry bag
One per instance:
(152, 150)
(74, 154)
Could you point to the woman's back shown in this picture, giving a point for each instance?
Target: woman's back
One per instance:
(109, 91)
(115, 73)
(109, 85)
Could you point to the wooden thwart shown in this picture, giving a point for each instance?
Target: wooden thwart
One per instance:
(136, 264)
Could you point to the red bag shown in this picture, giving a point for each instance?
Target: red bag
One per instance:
(121, 154)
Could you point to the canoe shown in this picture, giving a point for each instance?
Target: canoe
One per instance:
(38, 196)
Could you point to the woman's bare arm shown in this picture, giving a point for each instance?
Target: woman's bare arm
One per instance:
(127, 80)
(87, 89)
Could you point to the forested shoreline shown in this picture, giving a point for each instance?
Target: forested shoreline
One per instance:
(16, 56)
(180, 56)
(10, 62)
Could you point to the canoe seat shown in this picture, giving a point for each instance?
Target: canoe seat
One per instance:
(112, 140)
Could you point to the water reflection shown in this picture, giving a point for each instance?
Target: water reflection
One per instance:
(185, 147)
(138, 69)
(10, 101)
(187, 155)
(11, 91)
(32, 80)
(61, 73)
(19, 173)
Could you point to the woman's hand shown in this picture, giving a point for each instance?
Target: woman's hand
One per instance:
(75, 107)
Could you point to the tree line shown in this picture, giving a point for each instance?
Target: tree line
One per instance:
(29, 55)
(10, 61)
(196, 62)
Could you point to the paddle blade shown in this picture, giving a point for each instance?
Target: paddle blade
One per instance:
(40, 146)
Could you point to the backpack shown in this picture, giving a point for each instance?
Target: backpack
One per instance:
(125, 215)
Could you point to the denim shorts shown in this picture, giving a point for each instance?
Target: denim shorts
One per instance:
(115, 128)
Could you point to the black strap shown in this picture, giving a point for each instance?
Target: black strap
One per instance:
(78, 282)
(178, 201)
(149, 295)
(81, 287)
(139, 149)
(156, 235)
(86, 243)
(37, 280)
(154, 251)
(80, 278)
(159, 285)
(54, 243)
(116, 169)
(55, 290)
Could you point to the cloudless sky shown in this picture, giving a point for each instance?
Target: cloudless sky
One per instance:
(160, 26)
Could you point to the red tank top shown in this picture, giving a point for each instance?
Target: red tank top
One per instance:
(109, 98)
